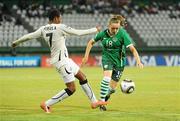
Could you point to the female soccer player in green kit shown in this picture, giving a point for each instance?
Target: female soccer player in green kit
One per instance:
(114, 42)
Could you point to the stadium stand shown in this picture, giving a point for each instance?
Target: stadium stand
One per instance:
(149, 24)
(157, 29)
(80, 21)
(11, 28)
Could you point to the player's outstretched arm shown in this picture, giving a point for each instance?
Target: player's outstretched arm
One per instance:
(20, 40)
(78, 32)
(136, 55)
(27, 37)
(88, 49)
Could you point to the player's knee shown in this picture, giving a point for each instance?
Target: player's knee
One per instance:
(70, 91)
(106, 78)
(116, 79)
(81, 82)
(80, 76)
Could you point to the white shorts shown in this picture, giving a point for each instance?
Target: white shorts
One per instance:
(67, 71)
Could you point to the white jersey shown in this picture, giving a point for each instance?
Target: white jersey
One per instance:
(55, 36)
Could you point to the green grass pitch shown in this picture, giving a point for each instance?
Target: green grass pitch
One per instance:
(156, 98)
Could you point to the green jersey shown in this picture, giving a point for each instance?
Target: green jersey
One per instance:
(114, 48)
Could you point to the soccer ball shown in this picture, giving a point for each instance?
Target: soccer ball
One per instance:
(127, 86)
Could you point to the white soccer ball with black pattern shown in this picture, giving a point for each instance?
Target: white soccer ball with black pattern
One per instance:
(127, 86)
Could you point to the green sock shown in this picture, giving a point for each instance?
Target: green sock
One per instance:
(104, 87)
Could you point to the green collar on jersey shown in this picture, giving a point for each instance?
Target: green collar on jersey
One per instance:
(107, 31)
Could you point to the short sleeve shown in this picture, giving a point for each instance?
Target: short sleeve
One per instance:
(127, 39)
(98, 36)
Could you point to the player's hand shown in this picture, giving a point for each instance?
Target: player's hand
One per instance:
(140, 65)
(14, 44)
(98, 28)
(84, 61)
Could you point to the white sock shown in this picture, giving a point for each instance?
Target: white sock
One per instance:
(58, 97)
(87, 89)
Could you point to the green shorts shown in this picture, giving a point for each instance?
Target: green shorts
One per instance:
(117, 71)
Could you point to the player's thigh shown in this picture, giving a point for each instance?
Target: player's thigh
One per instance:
(76, 70)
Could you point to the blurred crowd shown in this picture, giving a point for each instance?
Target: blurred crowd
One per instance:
(34, 9)
(152, 21)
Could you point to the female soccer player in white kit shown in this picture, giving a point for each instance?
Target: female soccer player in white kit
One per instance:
(54, 33)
